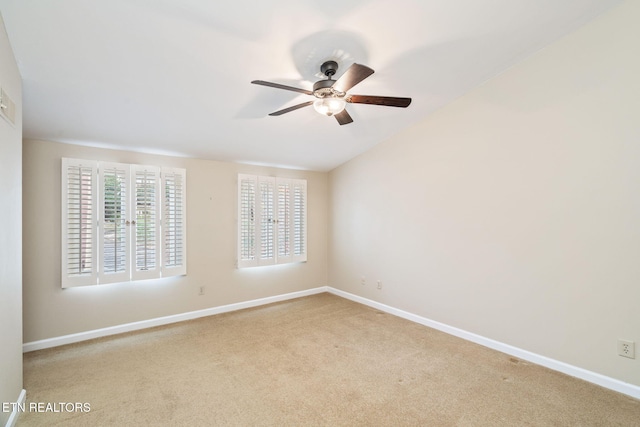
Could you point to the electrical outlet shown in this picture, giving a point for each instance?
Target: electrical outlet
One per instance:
(379, 284)
(201, 292)
(627, 349)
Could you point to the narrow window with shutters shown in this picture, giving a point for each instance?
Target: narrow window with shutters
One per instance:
(271, 220)
(247, 216)
(284, 220)
(299, 223)
(174, 220)
(79, 216)
(146, 225)
(117, 224)
(267, 221)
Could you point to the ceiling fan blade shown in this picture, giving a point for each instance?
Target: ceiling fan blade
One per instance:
(343, 117)
(387, 101)
(289, 109)
(354, 75)
(279, 86)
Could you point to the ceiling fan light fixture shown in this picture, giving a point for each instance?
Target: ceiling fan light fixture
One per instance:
(329, 106)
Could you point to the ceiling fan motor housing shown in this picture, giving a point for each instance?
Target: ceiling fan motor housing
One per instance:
(323, 89)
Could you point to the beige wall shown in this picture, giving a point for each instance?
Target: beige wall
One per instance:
(50, 311)
(513, 213)
(11, 233)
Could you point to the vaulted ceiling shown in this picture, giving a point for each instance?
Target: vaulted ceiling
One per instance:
(173, 76)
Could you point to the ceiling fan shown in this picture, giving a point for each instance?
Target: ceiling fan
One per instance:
(331, 95)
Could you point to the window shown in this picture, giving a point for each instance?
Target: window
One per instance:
(121, 222)
(272, 220)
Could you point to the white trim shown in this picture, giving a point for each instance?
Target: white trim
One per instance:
(159, 321)
(13, 418)
(574, 371)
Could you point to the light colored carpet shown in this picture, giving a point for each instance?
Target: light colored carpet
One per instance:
(318, 360)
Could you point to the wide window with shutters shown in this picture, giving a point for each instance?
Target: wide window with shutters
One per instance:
(118, 225)
(272, 220)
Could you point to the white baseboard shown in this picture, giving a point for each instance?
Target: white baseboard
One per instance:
(15, 413)
(565, 368)
(159, 321)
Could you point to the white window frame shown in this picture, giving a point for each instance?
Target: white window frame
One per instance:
(265, 204)
(161, 195)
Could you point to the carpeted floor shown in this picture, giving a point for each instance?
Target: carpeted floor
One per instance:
(318, 360)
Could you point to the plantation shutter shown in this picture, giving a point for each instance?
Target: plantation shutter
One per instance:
(272, 220)
(120, 224)
(292, 219)
(115, 223)
(299, 220)
(266, 220)
(146, 223)
(79, 217)
(247, 218)
(284, 220)
(174, 219)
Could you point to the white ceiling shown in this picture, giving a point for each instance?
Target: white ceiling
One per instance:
(173, 76)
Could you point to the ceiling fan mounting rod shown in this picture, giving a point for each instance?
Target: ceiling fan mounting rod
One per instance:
(329, 68)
